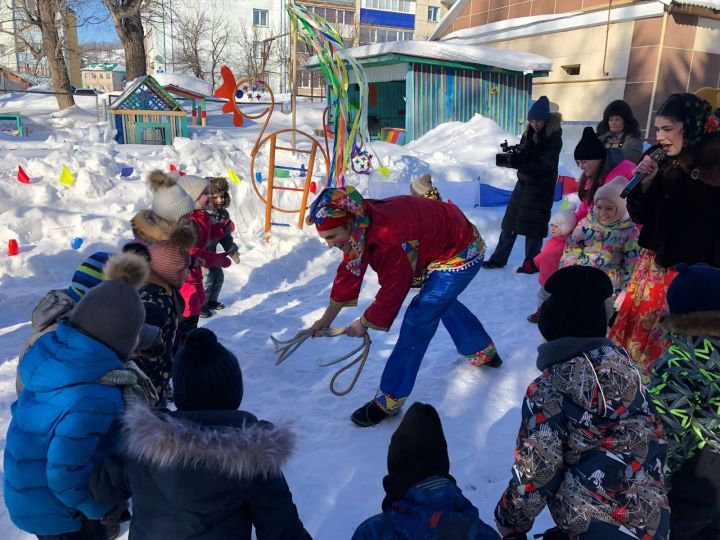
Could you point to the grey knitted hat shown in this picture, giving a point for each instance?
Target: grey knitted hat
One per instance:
(112, 312)
(170, 201)
(420, 185)
(193, 185)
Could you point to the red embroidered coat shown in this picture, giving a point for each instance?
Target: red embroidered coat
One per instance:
(406, 234)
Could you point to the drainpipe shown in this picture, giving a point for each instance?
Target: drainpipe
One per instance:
(607, 36)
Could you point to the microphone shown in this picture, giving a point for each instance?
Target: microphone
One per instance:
(658, 156)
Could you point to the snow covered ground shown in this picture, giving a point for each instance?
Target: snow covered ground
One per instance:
(278, 288)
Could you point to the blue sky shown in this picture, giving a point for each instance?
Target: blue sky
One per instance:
(99, 26)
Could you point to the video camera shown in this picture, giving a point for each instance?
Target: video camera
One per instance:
(506, 158)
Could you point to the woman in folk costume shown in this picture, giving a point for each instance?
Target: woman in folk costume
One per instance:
(399, 237)
(677, 205)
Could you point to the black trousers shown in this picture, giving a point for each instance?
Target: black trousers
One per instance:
(533, 245)
(90, 530)
(695, 498)
(186, 325)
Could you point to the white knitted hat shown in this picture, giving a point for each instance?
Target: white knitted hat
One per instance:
(565, 219)
(170, 201)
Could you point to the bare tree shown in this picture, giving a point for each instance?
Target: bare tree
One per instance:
(103, 51)
(203, 40)
(128, 21)
(254, 52)
(45, 17)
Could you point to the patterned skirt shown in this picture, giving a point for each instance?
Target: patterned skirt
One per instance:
(637, 327)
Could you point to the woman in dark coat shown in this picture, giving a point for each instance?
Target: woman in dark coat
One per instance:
(528, 212)
(620, 129)
(677, 205)
(206, 471)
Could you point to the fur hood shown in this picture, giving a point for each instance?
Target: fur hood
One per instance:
(700, 323)
(151, 228)
(167, 441)
(553, 125)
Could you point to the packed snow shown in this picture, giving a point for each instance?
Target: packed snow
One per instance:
(280, 287)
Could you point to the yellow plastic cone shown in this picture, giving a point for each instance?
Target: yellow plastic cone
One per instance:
(382, 169)
(233, 176)
(66, 177)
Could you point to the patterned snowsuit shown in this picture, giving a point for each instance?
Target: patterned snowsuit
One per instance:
(589, 447)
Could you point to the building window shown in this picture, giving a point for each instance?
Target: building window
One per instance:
(572, 70)
(401, 6)
(370, 34)
(433, 13)
(260, 17)
(257, 50)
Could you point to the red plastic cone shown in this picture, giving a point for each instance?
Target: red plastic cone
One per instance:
(175, 169)
(13, 248)
(313, 188)
(22, 176)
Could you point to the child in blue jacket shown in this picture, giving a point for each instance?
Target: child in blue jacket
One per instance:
(422, 501)
(64, 423)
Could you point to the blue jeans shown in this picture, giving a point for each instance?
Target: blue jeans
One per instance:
(437, 301)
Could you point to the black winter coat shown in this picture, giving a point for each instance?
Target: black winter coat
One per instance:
(528, 212)
(680, 211)
(205, 475)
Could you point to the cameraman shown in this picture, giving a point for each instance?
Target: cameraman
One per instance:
(528, 212)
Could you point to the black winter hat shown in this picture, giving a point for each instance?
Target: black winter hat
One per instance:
(589, 147)
(695, 288)
(206, 376)
(417, 450)
(576, 306)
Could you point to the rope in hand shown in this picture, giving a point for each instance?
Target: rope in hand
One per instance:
(287, 347)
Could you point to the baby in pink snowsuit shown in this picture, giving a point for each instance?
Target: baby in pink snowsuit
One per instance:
(547, 261)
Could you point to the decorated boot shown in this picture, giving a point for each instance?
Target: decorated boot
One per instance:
(487, 357)
(373, 412)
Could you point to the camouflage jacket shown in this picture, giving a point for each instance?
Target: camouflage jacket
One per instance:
(589, 447)
(685, 385)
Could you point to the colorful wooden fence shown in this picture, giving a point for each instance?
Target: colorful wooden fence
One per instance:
(437, 94)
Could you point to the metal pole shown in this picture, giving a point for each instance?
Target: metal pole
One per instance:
(293, 95)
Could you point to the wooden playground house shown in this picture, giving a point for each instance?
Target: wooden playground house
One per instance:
(12, 124)
(145, 113)
(415, 86)
(198, 102)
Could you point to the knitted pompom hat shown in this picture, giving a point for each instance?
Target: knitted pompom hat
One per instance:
(540, 110)
(170, 201)
(206, 376)
(88, 275)
(112, 312)
(695, 288)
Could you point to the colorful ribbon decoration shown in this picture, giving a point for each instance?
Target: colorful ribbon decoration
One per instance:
(320, 36)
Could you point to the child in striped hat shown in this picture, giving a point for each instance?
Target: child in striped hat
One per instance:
(59, 302)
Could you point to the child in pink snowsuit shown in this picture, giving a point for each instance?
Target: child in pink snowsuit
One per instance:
(547, 261)
(193, 291)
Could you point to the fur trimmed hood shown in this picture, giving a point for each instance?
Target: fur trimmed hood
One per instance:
(553, 125)
(167, 441)
(150, 228)
(700, 323)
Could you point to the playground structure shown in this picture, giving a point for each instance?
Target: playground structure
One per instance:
(12, 124)
(147, 114)
(255, 92)
(198, 102)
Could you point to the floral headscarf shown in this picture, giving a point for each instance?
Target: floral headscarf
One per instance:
(697, 115)
(334, 203)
